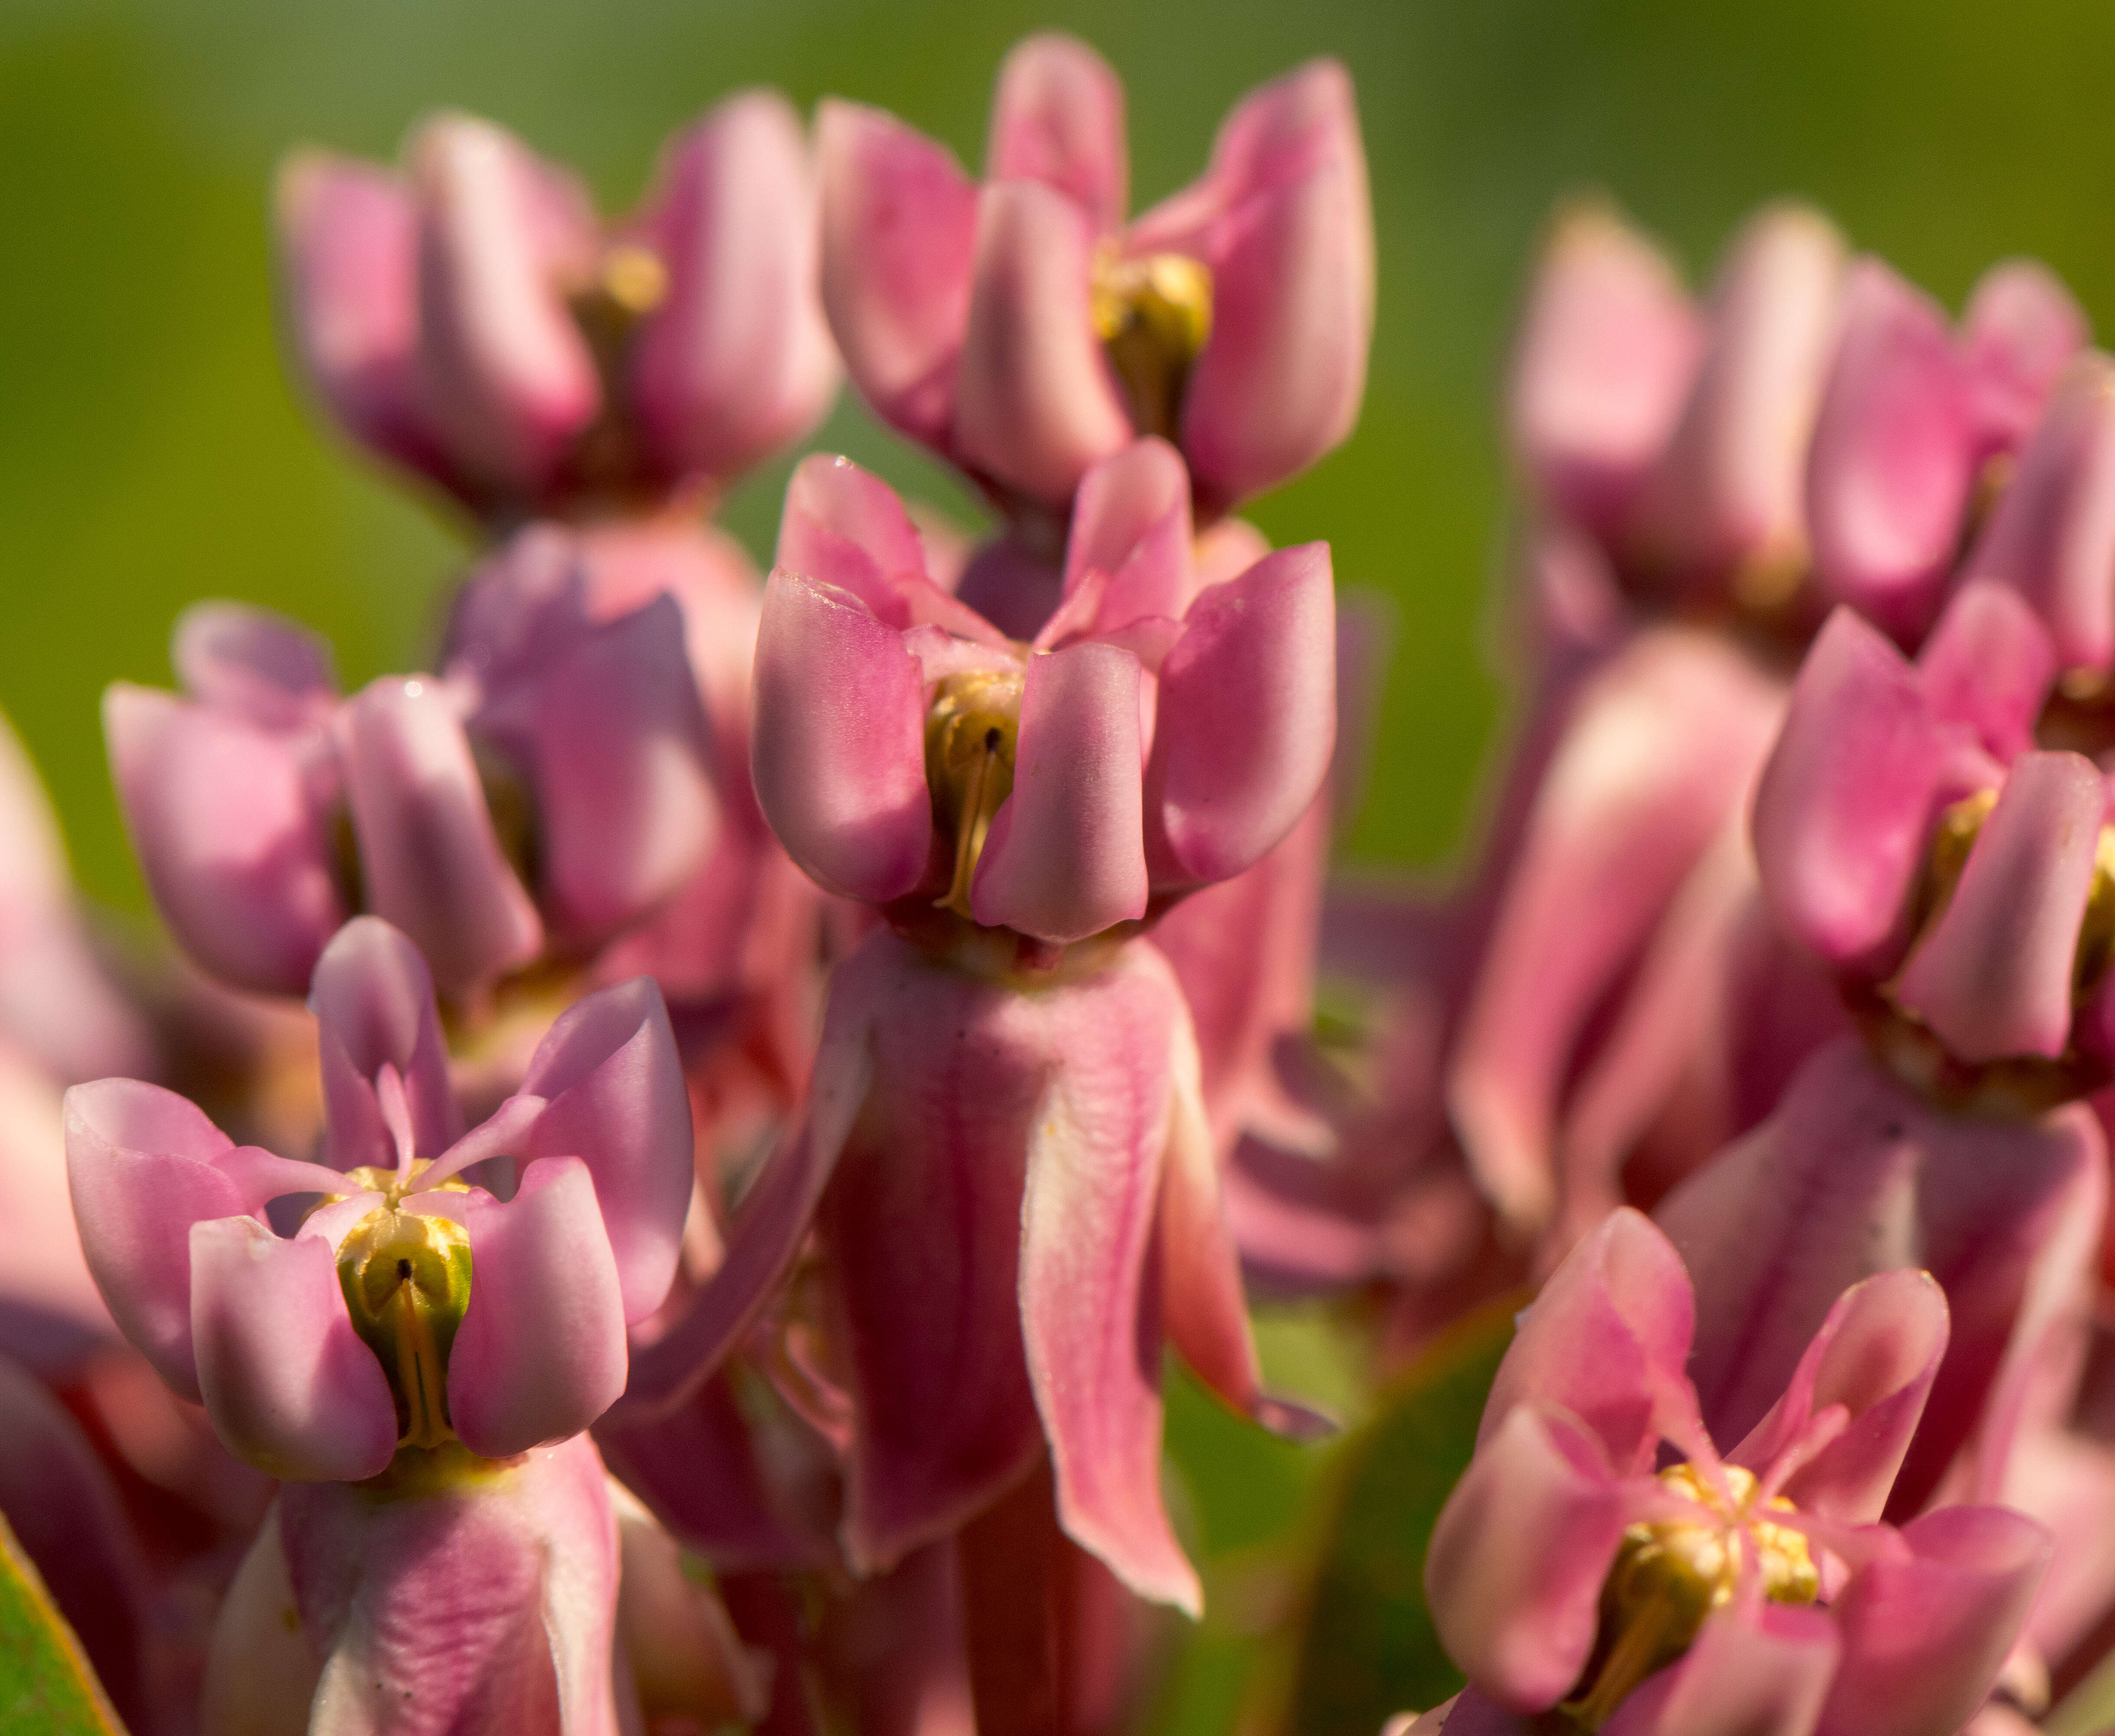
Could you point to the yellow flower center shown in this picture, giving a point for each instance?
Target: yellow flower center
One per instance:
(1153, 314)
(970, 732)
(406, 1277)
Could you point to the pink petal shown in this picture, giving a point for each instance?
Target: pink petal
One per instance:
(617, 1102)
(348, 239)
(1924, 1637)
(838, 754)
(1279, 382)
(286, 1381)
(1131, 523)
(626, 808)
(52, 1320)
(2052, 534)
(1095, 1136)
(1989, 664)
(1875, 1355)
(1034, 402)
(1602, 364)
(430, 856)
(737, 360)
(1514, 1574)
(1758, 1672)
(226, 829)
(1727, 490)
(2020, 329)
(899, 236)
(505, 379)
(540, 1353)
(844, 527)
(1605, 1340)
(374, 1002)
(1246, 717)
(253, 663)
(1846, 800)
(1889, 473)
(1058, 118)
(1065, 855)
(1992, 977)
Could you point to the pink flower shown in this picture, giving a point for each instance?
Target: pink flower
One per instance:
(1753, 1589)
(408, 1306)
(552, 787)
(471, 318)
(1023, 329)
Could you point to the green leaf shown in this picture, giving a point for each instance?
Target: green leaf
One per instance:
(1370, 1650)
(46, 1686)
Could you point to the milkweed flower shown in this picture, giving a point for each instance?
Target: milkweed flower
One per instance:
(1005, 1155)
(551, 787)
(1575, 1569)
(1024, 329)
(470, 319)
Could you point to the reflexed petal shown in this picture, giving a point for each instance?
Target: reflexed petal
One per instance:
(1846, 800)
(1035, 401)
(1888, 474)
(1513, 1577)
(737, 360)
(427, 851)
(839, 749)
(617, 1102)
(1924, 1637)
(2020, 329)
(1247, 718)
(1989, 664)
(844, 527)
(288, 1383)
(1131, 522)
(1992, 977)
(253, 663)
(225, 828)
(373, 998)
(1058, 118)
(540, 1353)
(1606, 1340)
(899, 236)
(1601, 366)
(683, 1651)
(1065, 855)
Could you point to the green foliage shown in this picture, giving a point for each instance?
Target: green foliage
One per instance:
(1370, 1651)
(46, 1686)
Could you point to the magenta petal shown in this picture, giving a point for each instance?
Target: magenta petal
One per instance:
(839, 753)
(1924, 1637)
(1727, 492)
(253, 663)
(1131, 523)
(844, 527)
(1513, 1577)
(2020, 329)
(1065, 856)
(737, 360)
(348, 270)
(228, 835)
(626, 809)
(540, 1353)
(1058, 117)
(1605, 1340)
(1601, 366)
(374, 1002)
(288, 1383)
(1279, 382)
(1758, 1672)
(899, 234)
(427, 851)
(2052, 534)
(617, 1102)
(1893, 454)
(1246, 720)
(505, 379)
(1876, 1355)
(1095, 1147)
(142, 1165)
(1992, 977)
(1989, 664)
(1035, 401)
(1846, 800)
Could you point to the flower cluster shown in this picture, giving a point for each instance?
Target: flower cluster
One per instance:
(655, 1182)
